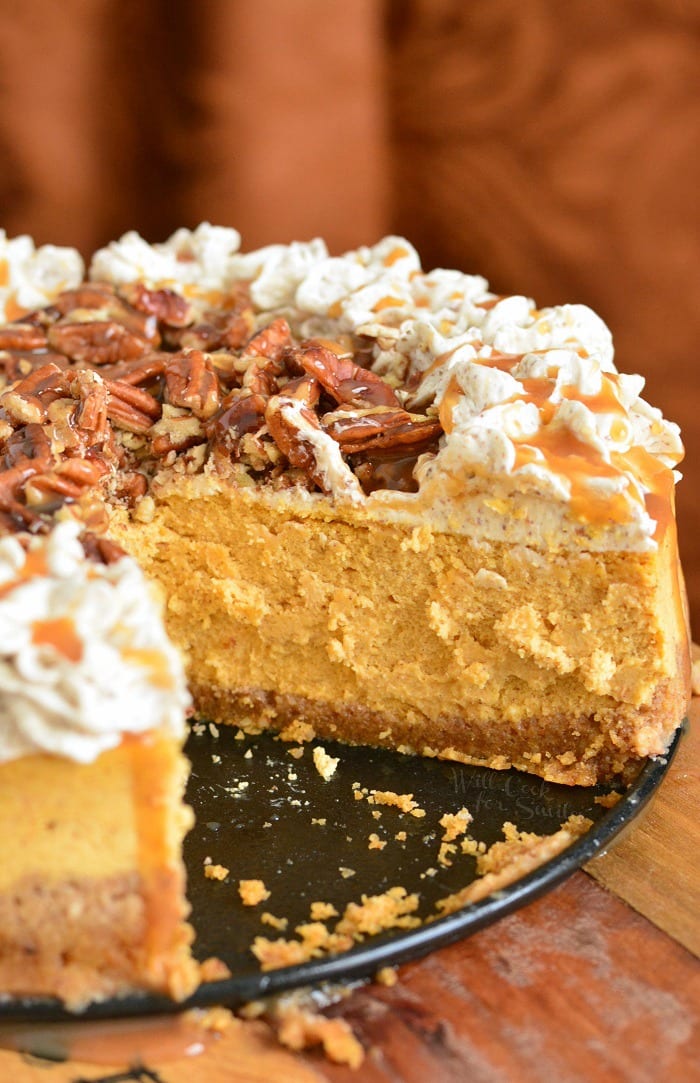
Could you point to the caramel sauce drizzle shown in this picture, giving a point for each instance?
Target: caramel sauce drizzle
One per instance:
(34, 565)
(60, 634)
(153, 661)
(564, 454)
(158, 873)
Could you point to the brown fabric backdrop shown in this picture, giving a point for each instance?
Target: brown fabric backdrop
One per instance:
(551, 146)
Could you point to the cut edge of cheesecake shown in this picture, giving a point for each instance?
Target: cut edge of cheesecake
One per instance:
(92, 888)
(571, 665)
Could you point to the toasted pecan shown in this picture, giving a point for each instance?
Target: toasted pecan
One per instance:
(131, 408)
(380, 429)
(191, 382)
(347, 382)
(169, 307)
(99, 342)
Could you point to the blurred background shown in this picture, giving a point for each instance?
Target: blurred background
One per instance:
(552, 147)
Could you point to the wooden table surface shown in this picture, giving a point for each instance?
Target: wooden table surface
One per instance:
(599, 980)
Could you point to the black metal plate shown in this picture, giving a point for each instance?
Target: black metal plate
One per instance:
(254, 816)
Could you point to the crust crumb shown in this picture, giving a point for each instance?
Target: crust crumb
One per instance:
(505, 862)
(298, 731)
(402, 801)
(608, 800)
(386, 976)
(277, 923)
(455, 824)
(215, 872)
(325, 765)
(252, 892)
(321, 911)
(375, 843)
(213, 969)
(299, 1029)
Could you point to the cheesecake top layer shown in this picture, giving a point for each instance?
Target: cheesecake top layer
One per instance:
(411, 395)
(81, 643)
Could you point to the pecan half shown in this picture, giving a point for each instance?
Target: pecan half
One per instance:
(22, 336)
(129, 486)
(271, 342)
(166, 305)
(28, 400)
(290, 424)
(143, 370)
(87, 295)
(25, 454)
(100, 342)
(345, 381)
(90, 417)
(69, 479)
(216, 331)
(190, 382)
(381, 429)
(16, 364)
(131, 408)
(240, 413)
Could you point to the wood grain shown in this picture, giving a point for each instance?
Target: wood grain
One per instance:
(575, 987)
(654, 867)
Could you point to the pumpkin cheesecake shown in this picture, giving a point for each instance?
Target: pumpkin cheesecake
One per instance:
(385, 505)
(92, 702)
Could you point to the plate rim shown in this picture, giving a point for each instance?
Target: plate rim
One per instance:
(392, 948)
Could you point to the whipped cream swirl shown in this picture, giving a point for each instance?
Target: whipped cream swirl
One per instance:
(84, 657)
(529, 397)
(31, 277)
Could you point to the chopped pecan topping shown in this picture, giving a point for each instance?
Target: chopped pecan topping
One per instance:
(99, 342)
(131, 408)
(190, 381)
(95, 401)
(169, 307)
(130, 486)
(347, 382)
(176, 431)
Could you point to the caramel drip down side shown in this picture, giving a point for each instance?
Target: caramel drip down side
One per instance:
(156, 802)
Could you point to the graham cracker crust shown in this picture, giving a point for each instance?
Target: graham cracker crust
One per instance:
(83, 940)
(581, 751)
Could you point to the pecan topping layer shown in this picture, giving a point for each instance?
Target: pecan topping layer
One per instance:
(106, 388)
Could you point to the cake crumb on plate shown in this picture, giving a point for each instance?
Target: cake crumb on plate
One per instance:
(325, 765)
(215, 872)
(252, 892)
